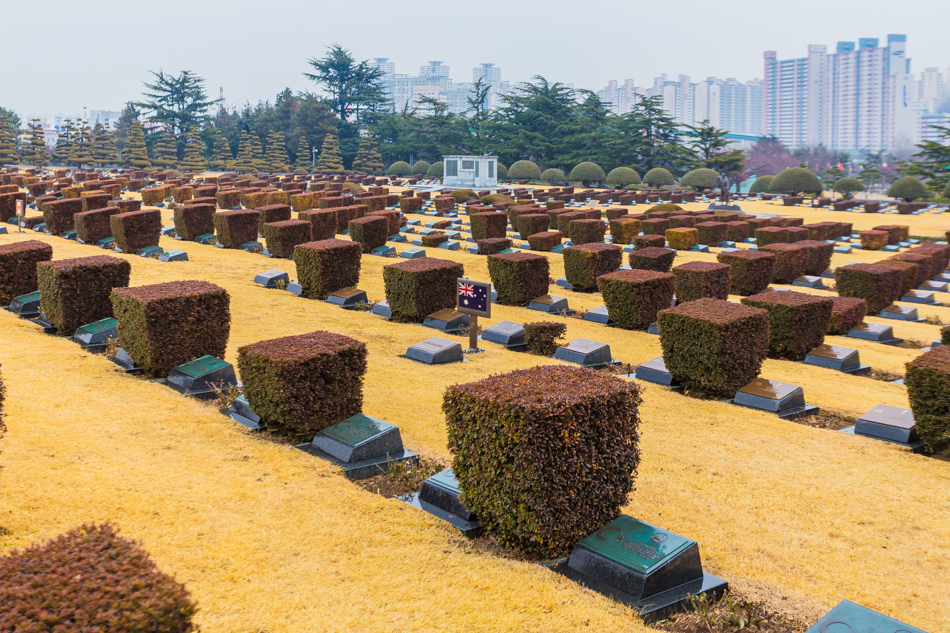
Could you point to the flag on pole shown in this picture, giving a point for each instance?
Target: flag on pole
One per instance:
(886, 167)
(840, 166)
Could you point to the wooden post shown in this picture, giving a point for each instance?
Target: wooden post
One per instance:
(473, 333)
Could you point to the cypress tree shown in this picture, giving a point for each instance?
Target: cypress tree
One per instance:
(194, 159)
(165, 153)
(8, 154)
(304, 160)
(103, 146)
(368, 159)
(135, 154)
(64, 142)
(80, 153)
(221, 152)
(257, 152)
(36, 152)
(244, 162)
(277, 160)
(331, 161)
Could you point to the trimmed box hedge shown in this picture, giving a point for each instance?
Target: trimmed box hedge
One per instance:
(879, 285)
(819, 256)
(712, 233)
(434, 239)
(74, 292)
(370, 231)
(545, 241)
(925, 266)
(873, 240)
(192, 220)
(492, 224)
(697, 280)
(653, 258)
(798, 321)
(411, 205)
(683, 238)
(635, 297)
(896, 233)
(519, 278)
(624, 229)
(92, 226)
(95, 201)
(228, 198)
(532, 224)
(393, 220)
(648, 241)
(325, 266)
(418, 287)
(272, 213)
(846, 312)
(300, 385)
(323, 223)
(8, 204)
(771, 235)
(655, 226)
(492, 246)
(127, 206)
(682, 222)
(136, 230)
(59, 215)
(928, 389)
(584, 263)
(587, 231)
(750, 271)
(162, 326)
(282, 237)
(344, 215)
(539, 496)
(18, 262)
(909, 273)
(714, 347)
(238, 227)
(790, 262)
(543, 337)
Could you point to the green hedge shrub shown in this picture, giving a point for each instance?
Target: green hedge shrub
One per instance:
(192, 220)
(553, 176)
(18, 262)
(907, 189)
(418, 287)
(370, 231)
(164, 325)
(532, 223)
(323, 223)
(282, 237)
(698, 280)
(712, 233)
(587, 173)
(488, 225)
(714, 347)
(945, 335)
(879, 285)
(700, 179)
(325, 266)
(928, 388)
(518, 278)
(623, 176)
(300, 385)
(683, 238)
(790, 262)
(584, 263)
(624, 229)
(90, 579)
(587, 231)
(762, 184)
(750, 272)
(74, 292)
(234, 228)
(798, 321)
(544, 337)
(136, 230)
(795, 181)
(421, 167)
(846, 312)
(849, 186)
(524, 170)
(658, 177)
(545, 241)
(635, 297)
(399, 168)
(539, 496)
(435, 170)
(653, 258)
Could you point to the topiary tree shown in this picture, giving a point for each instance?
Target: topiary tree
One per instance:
(658, 177)
(135, 154)
(165, 153)
(847, 187)
(623, 176)
(421, 167)
(399, 168)
(276, 159)
(762, 184)
(552, 176)
(368, 159)
(81, 153)
(435, 170)
(907, 189)
(8, 153)
(502, 171)
(700, 179)
(64, 142)
(331, 161)
(103, 146)
(221, 152)
(587, 173)
(524, 170)
(36, 152)
(795, 181)
(946, 191)
(244, 161)
(257, 151)
(194, 159)
(304, 160)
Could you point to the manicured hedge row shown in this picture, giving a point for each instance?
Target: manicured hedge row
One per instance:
(74, 292)
(325, 266)
(323, 223)
(165, 325)
(583, 264)
(696, 280)
(928, 388)
(714, 347)
(635, 297)
(879, 285)
(18, 262)
(586, 231)
(519, 278)
(539, 496)
(846, 312)
(545, 241)
(136, 230)
(624, 229)
(790, 262)
(228, 198)
(418, 287)
(192, 220)
(369, 231)
(59, 215)
(909, 273)
(302, 384)
(282, 237)
(750, 271)
(488, 225)
(683, 238)
(238, 227)
(92, 226)
(798, 321)
(653, 258)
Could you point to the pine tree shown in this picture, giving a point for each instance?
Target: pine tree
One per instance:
(80, 153)
(331, 162)
(8, 153)
(64, 142)
(36, 153)
(194, 159)
(165, 153)
(368, 159)
(304, 160)
(244, 162)
(257, 152)
(277, 160)
(221, 152)
(135, 154)
(103, 146)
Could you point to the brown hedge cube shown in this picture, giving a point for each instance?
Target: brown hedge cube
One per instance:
(345, 214)
(698, 280)
(545, 241)
(879, 285)
(59, 215)
(586, 231)
(873, 240)
(282, 237)
(92, 226)
(519, 278)
(771, 235)
(235, 228)
(655, 226)
(737, 231)
(193, 220)
(653, 258)
(96, 201)
(648, 241)
(712, 233)
(896, 233)
(846, 313)
(273, 213)
(925, 265)
(370, 231)
(183, 194)
(228, 198)
(750, 271)
(8, 204)
(136, 230)
(18, 262)
(488, 225)
(819, 256)
(624, 229)
(817, 231)
(418, 287)
(634, 297)
(492, 246)
(909, 273)
(325, 266)
(682, 238)
(584, 263)
(323, 223)
(127, 206)
(790, 262)
(75, 292)
(798, 321)
(393, 220)
(614, 213)
(682, 221)
(532, 224)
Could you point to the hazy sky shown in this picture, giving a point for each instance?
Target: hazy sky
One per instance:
(60, 56)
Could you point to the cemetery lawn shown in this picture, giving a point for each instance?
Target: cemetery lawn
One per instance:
(268, 538)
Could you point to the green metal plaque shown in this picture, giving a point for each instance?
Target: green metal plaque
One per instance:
(100, 326)
(202, 366)
(635, 544)
(446, 479)
(849, 617)
(28, 297)
(355, 430)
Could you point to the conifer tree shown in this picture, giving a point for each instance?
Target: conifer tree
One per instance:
(103, 146)
(221, 152)
(64, 142)
(244, 161)
(135, 154)
(331, 161)
(80, 153)
(194, 159)
(8, 153)
(165, 153)
(368, 159)
(304, 160)
(257, 152)
(277, 160)
(36, 152)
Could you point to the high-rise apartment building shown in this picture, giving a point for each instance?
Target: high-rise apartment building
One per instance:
(434, 81)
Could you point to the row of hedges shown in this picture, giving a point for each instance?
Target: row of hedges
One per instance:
(519, 278)
(74, 292)
(18, 262)
(798, 321)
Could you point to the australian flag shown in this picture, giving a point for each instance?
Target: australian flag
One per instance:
(473, 296)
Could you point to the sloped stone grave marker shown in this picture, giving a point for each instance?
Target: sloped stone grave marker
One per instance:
(843, 359)
(890, 424)
(95, 337)
(272, 279)
(196, 378)
(655, 371)
(436, 351)
(439, 497)
(26, 306)
(507, 333)
(348, 298)
(585, 353)
(783, 399)
(361, 446)
(876, 332)
(849, 617)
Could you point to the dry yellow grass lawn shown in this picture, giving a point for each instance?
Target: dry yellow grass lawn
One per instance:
(269, 539)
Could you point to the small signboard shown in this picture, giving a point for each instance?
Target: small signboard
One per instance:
(20, 208)
(474, 297)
